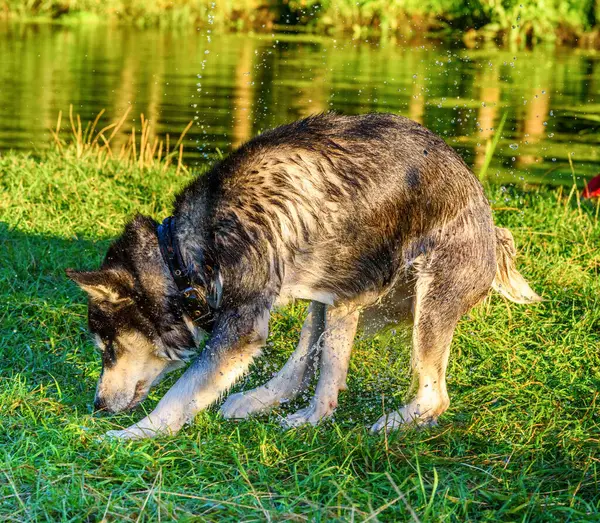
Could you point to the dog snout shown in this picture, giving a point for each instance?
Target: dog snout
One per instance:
(100, 404)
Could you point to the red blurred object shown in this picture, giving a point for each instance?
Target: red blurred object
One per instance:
(592, 188)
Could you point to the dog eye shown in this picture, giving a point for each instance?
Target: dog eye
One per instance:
(109, 356)
(99, 343)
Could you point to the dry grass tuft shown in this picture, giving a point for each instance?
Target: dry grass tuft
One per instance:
(146, 152)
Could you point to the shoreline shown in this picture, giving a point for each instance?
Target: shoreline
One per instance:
(518, 27)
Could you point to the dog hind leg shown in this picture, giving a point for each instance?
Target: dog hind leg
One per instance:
(456, 280)
(291, 380)
(432, 335)
(340, 328)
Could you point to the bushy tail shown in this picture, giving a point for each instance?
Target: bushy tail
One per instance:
(508, 281)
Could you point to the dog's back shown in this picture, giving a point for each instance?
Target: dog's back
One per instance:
(337, 203)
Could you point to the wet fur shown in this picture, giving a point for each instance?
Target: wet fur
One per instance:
(335, 209)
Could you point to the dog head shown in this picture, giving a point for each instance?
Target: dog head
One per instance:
(136, 318)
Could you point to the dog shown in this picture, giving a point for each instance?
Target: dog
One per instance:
(343, 211)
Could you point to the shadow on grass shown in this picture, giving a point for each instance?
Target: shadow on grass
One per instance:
(43, 323)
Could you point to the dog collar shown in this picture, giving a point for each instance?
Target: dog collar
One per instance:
(180, 273)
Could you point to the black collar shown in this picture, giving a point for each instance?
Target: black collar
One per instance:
(169, 249)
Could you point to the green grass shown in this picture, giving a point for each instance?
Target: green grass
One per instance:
(519, 442)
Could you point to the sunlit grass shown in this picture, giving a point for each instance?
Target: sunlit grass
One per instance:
(519, 443)
(144, 149)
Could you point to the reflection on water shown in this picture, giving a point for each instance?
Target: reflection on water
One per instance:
(235, 86)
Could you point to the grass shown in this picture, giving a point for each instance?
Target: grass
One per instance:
(490, 147)
(95, 143)
(519, 442)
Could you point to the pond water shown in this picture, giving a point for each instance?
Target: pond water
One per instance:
(234, 86)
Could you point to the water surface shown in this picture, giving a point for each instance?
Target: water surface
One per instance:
(235, 86)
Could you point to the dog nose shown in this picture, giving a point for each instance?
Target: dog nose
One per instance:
(99, 404)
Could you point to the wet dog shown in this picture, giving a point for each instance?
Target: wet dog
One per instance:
(339, 210)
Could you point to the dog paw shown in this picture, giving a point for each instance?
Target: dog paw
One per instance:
(138, 431)
(390, 422)
(310, 415)
(151, 426)
(244, 404)
(405, 417)
(124, 434)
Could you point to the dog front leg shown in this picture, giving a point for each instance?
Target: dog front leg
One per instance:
(341, 324)
(291, 380)
(229, 352)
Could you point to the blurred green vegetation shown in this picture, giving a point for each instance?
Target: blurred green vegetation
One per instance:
(253, 83)
(510, 21)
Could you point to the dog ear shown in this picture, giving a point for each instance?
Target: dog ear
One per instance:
(103, 285)
(214, 291)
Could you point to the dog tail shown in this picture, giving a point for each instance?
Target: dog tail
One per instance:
(508, 281)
